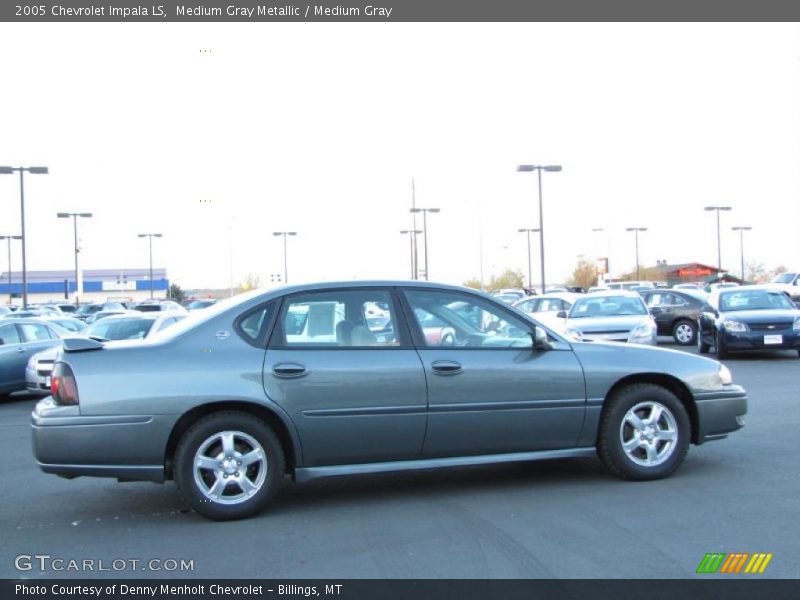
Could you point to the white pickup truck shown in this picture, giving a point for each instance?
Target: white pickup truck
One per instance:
(789, 282)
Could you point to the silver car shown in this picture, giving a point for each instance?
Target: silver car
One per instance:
(295, 381)
(113, 327)
(614, 316)
(19, 340)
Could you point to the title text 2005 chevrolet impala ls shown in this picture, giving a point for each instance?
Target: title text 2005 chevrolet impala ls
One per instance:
(343, 378)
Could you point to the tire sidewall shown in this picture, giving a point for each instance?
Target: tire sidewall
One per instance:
(610, 444)
(201, 431)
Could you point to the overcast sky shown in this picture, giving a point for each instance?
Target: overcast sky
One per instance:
(319, 128)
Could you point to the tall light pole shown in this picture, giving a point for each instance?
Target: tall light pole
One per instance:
(412, 235)
(151, 236)
(9, 238)
(285, 234)
(425, 212)
(636, 231)
(530, 272)
(718, 209)
(34, 171)
(741, 230)
(78, 277)
(539, 169)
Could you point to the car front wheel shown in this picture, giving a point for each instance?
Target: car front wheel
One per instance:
(684, 333)
(644, 433)
(228, 465)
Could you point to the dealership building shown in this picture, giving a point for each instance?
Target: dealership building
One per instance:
(99, 285)
(691, 273)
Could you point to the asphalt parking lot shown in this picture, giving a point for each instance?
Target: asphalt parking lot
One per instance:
(562, 519)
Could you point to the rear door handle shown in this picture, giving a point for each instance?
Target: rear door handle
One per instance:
(446, 367)
(20, 350)
(289, 370)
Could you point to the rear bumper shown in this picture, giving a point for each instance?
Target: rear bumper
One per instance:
(128, 447)
(720, 413)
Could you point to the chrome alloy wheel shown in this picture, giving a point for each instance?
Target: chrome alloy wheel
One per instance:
(649, 433)
(230, 467)
(684, 333)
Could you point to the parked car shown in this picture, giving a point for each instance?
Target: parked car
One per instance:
(199, 304)
(32, 313)
(87, 310)
(597, 288)
(788, 282)
(71, 324)
(627, 285)
(690, 286)
(712, 287)
(19, 340)
(748, 318)
(676, 313)
(116, 327)
(556, 289)
(63, 307)
(509, 296)
(618, 316)
(4, 310)
(548, 303)
(227, 402)
(102, 314)
(158, 306)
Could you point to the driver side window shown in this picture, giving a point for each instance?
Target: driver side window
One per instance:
(465, 321)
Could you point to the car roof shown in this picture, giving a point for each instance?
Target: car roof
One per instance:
(607, 293)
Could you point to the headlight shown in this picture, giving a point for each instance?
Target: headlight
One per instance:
(645, 330)
(735, 327)
(725, 375)
(574, 333)
(32, 363)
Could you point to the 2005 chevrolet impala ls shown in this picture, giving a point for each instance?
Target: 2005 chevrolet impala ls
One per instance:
(366, 377)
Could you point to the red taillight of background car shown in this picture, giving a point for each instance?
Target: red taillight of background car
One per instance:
(62, 385)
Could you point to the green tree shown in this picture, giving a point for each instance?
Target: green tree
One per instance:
(507, 279)
(176, 293)
(584, 275)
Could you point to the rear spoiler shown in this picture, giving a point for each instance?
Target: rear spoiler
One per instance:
(81, 344)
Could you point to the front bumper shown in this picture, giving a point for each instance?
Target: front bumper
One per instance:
(128, 447)
(37, 383)
(754, 340)
(720, 413)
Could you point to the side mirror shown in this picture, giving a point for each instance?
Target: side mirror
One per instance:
(562, 314)
(541, 341)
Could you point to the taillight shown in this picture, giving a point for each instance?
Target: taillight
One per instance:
(62, 385)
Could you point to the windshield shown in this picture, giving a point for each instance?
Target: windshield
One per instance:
(88, 309)
(784, 278)
(754, 300)
(607, 306)
(133, 328)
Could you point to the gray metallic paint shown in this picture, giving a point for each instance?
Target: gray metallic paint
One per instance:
(381, 416)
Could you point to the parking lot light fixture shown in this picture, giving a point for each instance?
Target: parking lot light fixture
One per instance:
(34, 171)
(412, 235)
(425, 212)
(528, 233)
(539, 169)
(9, 238)
(741, 229)
(285, 234)
(78, 277)
(718, 209)
(151, 236)
(636, 231)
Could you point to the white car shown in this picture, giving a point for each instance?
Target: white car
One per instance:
(115, 327)
(614, 316)
(788, 282)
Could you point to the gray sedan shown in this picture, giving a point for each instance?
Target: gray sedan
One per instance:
(298, 381)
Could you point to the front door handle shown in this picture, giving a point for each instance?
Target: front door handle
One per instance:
(446, 367)
(289, 370)
(20, 350)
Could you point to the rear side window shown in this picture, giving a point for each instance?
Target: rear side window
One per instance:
(34, 332)
(9, 334)
(360, 318)
(252, 326)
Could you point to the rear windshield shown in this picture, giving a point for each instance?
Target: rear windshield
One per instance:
(134, 328)
(147, 307)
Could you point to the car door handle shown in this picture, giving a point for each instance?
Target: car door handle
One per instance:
(289, 370)
(20, 350)
(446, 367)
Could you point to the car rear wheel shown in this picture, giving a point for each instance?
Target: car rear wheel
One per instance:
(684, 332)
(228, 465)
(644, 433)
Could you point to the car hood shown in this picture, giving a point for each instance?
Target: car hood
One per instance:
(761, 316)
(626, 322)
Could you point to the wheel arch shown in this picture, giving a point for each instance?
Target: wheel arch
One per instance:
(669, 382)
(283, 429)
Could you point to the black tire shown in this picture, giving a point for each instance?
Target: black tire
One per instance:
(720, 346)
(613, 427)
(680, 330)
(702, 347)
(204, 430)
